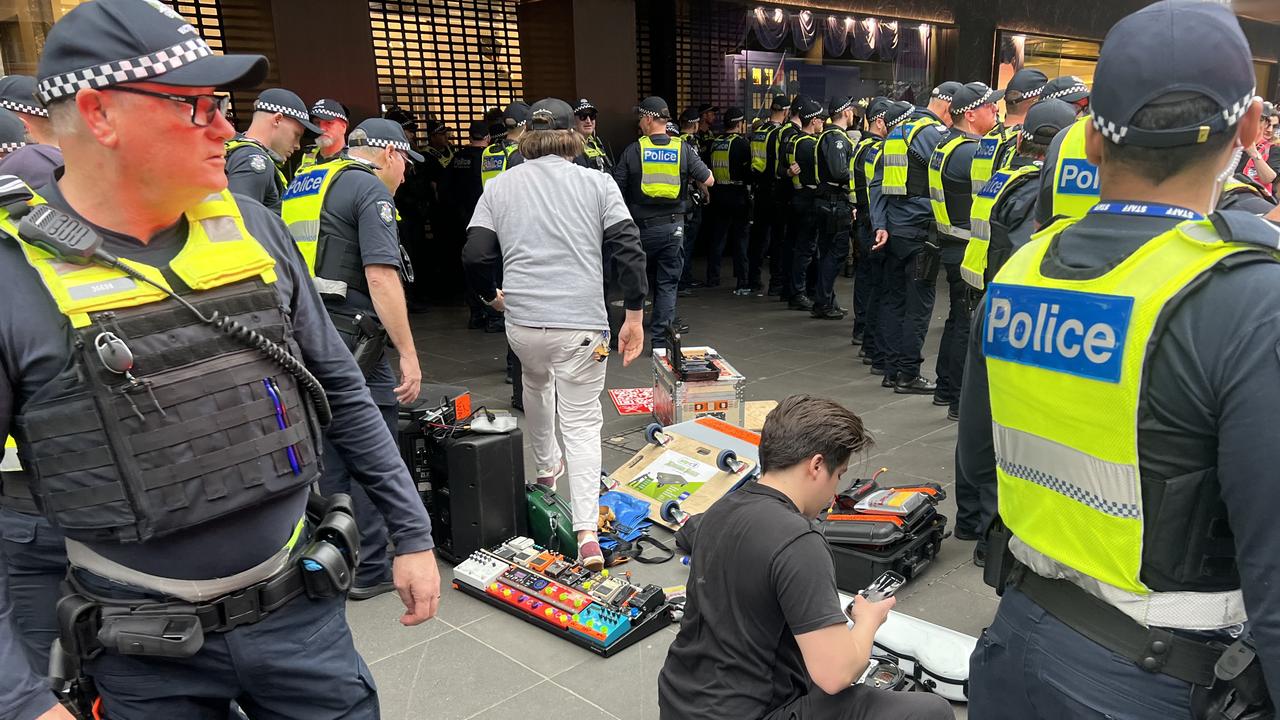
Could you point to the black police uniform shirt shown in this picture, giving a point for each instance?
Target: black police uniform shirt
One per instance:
(1242, 200)
(34, 163)
(907, 217)
(1044, 207)
(1014, 215)
(463, 184)
(627, 175)
(1212, 390)
(761, 575)
(251, 172)
(33, 351)
(834, 149)
(358, 205)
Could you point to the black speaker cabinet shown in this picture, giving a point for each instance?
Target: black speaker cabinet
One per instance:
(472, 485)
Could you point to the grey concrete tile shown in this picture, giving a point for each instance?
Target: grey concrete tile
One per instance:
(375, 625)
(951, 607)
(916, 459)
(526, 643)
(449, 678)
(635, 699)
(556, 700)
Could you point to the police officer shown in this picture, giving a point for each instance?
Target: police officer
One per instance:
(1071, 188)
(331, 118)
(1001, 222)
(191, 426)
(13, 134)
(461, 192)
(974, 114)
(784, 189)
(833, 156)
(595, 151)
(902, 218)
(996, 147)
(1241, 192)
(764, 168)
(497, 157)
(343, 217)
(1132, 422)
(653, 174)
(801, 157)
(256, 157)
(1003, 211)
(439, 146)
(695, 204)
(705, 132)
(869, 267)
(35, 161)
(730, 200)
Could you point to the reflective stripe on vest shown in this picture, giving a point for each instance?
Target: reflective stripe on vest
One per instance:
(760, 146)
(992, 148)
(10, 461)
(798, 181)
(308, 159)
(780, 138)
(301, 209)
(240, 142)
(660, 168)
(974, 266)
(720, 169)
(937, 195)
(441, 156)
(493, 161)
(591, 147)
(817, 157)
(218, 251)
(1066, 361)
(859, 192)
(895, 157)
(1075, 179)
(870, 161)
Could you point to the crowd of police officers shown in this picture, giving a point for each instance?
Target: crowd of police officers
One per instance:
(905, 193)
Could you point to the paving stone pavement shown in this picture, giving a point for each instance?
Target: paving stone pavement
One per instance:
(473, 661)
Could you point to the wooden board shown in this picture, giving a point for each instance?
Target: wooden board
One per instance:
(756, 412)
(699, 499)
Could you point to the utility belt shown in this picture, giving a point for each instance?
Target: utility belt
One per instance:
(15, 493)
(1227, 677)
(926, 262)
(659, 220)
(363, 334)
(834, 193)
(90, 624)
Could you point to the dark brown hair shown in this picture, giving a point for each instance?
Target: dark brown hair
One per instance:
(565, 143)
(803, 426)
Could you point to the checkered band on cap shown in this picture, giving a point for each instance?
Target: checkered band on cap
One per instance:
(10, 147)
(382, 143)
(650, 113)
(322, 111)
(123, 71)
(282, 109)
(23, 108)
(986, 98)
(1116, 133)
(1077, 87)
(898, 121)
(877, 116)
(938, 94)
(811, 115)
(583, 104)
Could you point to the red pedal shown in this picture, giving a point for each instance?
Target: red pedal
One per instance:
(530, 604)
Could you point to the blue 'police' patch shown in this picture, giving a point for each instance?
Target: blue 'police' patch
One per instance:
(661, 155)
(994, 185)
(492, 163)
(935, 161)
(873, 154)
(1078, 177)
(987, 149)
(1070, 332)
(308, 183)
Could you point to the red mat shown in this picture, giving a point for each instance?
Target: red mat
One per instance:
(632, 401)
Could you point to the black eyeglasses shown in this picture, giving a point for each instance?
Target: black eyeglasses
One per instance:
(587, 116)
(204, 108)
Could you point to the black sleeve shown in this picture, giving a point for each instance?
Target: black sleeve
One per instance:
(622, 244)
(975, 446)
(836, 158)
(243, 177)
(1044, 207)
(740, 158)
(622, 171)
(695, 168)
(804, 580)
(482, 258)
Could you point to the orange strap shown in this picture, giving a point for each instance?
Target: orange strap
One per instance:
(868, 517)
(732, 431)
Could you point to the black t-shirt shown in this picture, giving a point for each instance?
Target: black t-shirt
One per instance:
(761, 573)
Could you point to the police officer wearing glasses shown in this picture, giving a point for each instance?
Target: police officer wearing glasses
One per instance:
(1125, 364)
(256, 158)
(168, 410)
(595, 153)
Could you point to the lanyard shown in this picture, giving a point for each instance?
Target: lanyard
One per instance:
(1145, 210)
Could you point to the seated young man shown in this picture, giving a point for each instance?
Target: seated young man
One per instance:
(764, 636)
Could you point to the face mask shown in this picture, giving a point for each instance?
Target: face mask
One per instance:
(1225, 175)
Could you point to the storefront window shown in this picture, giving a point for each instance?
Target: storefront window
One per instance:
(1053, 56)
(23, 27)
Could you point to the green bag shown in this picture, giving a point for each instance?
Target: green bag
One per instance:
(551, 521)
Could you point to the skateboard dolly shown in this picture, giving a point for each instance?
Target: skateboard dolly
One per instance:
(673, 513)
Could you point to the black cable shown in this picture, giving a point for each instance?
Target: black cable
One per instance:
(251, 338)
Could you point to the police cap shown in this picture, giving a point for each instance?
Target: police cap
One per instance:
(551, 114)
(689, 115)
(779, 103)
(288, 104)
(946, 91)
(808, 109)
(707, 107)
(898, 113)
(1046, 119)
(326, 109)
(436, 127)
(1025, 85)
(734, 115)
(109, 42)
(382, 133)
(654, 107)
(838, 104)
(13, 133)
(18, 93)
(1068, 88)
(517, 113)
(877, 108)
(972, 96)
(478, 130)
(1172, 52)
(584, 107)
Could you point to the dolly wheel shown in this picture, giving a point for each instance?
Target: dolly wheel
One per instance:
(669, 510)
(727, 461)
(653, 434)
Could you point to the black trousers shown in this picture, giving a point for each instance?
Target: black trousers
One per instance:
(780, 240)
(860, 702)
(955, 335)
(731, 207)
(867, 268)
(906, 306)
(802, 231)
(835, 221)
(761, 235)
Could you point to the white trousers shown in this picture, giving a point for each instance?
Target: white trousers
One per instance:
(562, 381)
